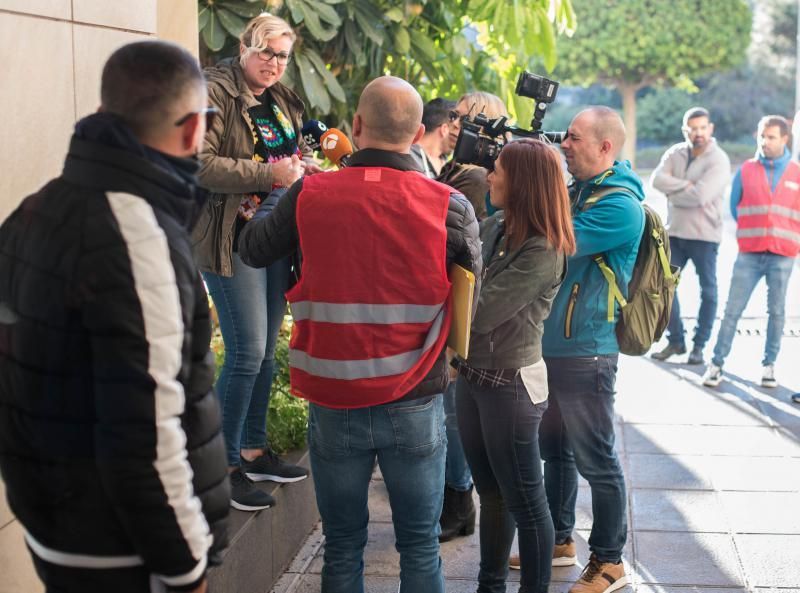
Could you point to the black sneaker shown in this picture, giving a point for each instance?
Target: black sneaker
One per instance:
(245, 496)
(271, 467)
(796, 398)
(696, 355)
(670, 350)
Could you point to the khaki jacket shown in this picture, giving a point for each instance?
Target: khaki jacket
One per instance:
(227, 169)
(516, 296)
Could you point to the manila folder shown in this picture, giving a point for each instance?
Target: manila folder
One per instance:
(463, 288)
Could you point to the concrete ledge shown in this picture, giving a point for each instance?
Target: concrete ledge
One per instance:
(262, 544)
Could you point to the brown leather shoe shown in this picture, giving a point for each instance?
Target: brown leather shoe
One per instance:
(563, 555)
(600, 577)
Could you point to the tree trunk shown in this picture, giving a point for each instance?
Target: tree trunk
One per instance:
(628, 92)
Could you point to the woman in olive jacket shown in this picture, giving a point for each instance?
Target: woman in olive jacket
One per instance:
(501, 392)
(254, 147)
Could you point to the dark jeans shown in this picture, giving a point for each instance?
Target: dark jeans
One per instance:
(703, 255)
(456, 472)
(577, 435)
(250, 306)
(499, 430)
(409, 441)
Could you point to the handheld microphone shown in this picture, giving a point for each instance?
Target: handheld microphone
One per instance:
(312, 133)
(336, 147)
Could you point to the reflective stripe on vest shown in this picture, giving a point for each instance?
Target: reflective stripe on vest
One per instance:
(769, 221)
(769, 232)
(369, 368)
(771, 209)
(371, 308)
(364, 313)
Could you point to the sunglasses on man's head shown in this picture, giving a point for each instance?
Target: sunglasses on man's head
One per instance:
(209, 112)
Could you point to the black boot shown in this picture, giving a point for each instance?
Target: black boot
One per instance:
(458, 514)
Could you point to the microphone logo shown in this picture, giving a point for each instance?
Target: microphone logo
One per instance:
(330, 141)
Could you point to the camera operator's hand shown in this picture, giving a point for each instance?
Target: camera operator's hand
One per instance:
(286, 171)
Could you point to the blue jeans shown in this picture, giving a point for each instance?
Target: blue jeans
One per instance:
(408, 438)
(703, 255)
(747, 271)
(577, 435)
(499, 430)
(250, 306)
(456, 472)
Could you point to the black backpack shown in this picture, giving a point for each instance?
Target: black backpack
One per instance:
(644, 315)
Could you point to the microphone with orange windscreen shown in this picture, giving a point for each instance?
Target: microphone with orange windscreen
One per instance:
(336, 147)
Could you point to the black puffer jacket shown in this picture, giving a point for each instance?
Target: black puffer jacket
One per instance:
(110, 434)
(265, 241)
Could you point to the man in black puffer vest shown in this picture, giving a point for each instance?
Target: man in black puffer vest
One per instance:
(110, 440)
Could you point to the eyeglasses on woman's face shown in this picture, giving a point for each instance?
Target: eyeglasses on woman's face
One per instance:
(268, 53)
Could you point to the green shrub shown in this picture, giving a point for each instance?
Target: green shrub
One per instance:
(659, 114)
(739, 151)
(287, 419)
(648, 158)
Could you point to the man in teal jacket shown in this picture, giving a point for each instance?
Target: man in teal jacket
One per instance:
(580, 349)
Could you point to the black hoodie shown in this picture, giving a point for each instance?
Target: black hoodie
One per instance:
(107, 413)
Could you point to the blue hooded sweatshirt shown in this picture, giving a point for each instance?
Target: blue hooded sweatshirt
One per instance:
(578, 324)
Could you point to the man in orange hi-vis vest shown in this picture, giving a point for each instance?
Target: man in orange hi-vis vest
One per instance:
(371, 316)
(765, 201)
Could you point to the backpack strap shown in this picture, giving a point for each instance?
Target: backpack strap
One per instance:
(662, 254)
(614, 293)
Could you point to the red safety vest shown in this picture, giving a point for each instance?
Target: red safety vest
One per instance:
(370, 311)
(769, 221)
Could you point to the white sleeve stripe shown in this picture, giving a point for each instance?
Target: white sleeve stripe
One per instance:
(188, 578)
(157, 291)
(79, 560)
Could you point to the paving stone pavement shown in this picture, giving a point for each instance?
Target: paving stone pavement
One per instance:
(713, 475)
(713, 481)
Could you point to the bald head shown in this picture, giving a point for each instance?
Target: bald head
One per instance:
(595, 137)
(388, 116)
(607, 125)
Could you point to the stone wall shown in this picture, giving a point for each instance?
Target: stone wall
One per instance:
(52, 53)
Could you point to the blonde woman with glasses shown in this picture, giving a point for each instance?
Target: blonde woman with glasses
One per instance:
(254, 147)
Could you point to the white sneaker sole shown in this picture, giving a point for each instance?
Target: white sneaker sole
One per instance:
(562, 561)
(618, 584)
(243, 507)
(712, 382)
(768, 383)
(565, 561)
(271, 478)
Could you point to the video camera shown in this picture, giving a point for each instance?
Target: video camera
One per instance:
(481, 138)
